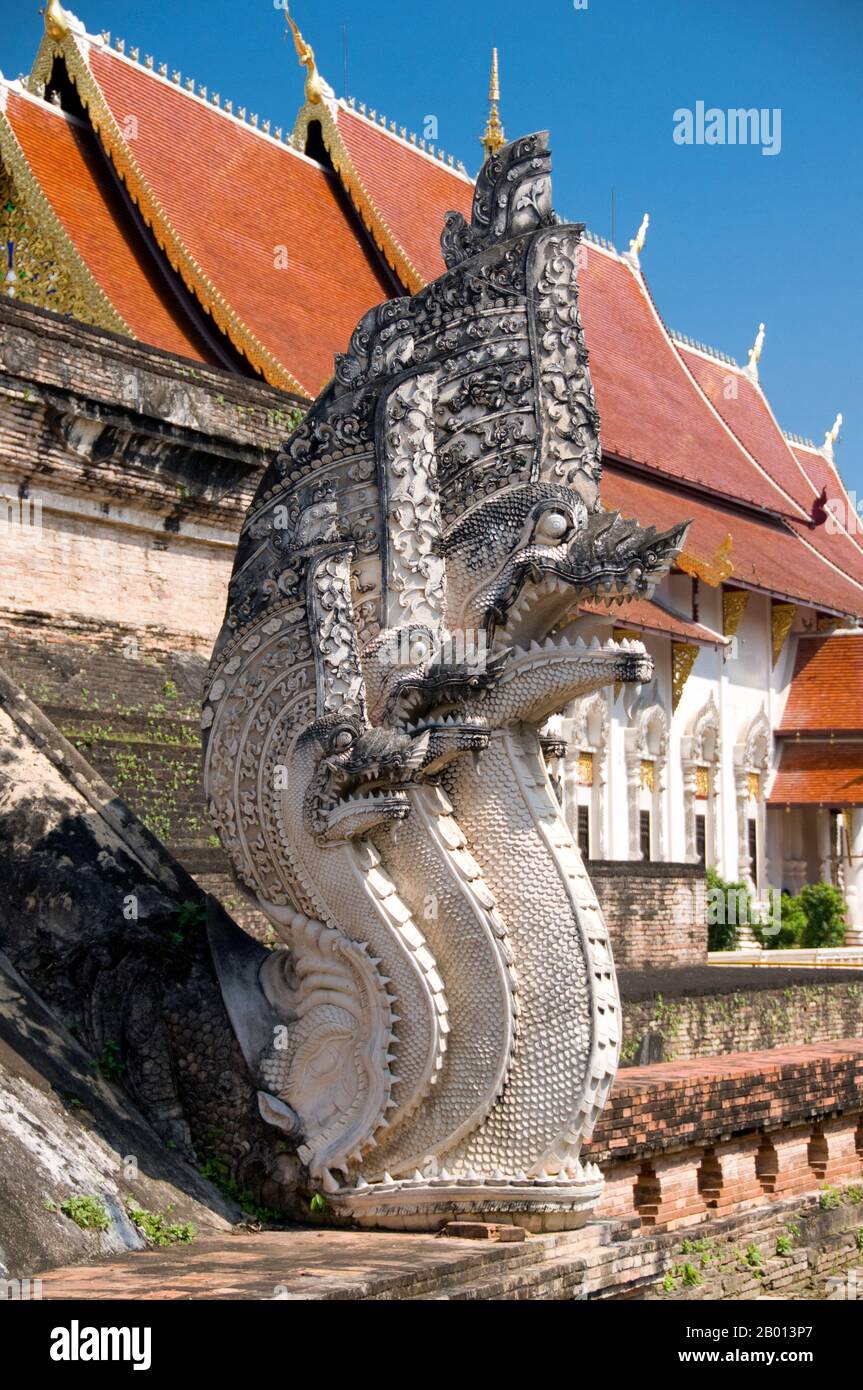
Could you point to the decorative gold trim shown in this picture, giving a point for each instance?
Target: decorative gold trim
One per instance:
(585, 768)
(753, 785)
(702, 783)
(102, 313)
(714, 571)
(734, 603)
(781, 618)
(683, 656)
(168, 239)
(382, 234)
(828, 623)
(647, 774)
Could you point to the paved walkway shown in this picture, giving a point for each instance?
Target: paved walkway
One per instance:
(298, 1263)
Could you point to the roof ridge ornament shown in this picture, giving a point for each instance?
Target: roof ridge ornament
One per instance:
(831, 437)
(512, 197)
(636, 246)
(751, 368)
(60, 22)
(493, 138)
(317, 90)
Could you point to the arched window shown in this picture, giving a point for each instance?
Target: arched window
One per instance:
(646, 742)
(586, 730)
(751, 765)
(700, 758)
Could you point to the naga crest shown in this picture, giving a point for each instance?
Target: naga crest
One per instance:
(440, 1027)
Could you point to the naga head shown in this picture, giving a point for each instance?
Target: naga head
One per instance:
(360, 775)
(521, 562)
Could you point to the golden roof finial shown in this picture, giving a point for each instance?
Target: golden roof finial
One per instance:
(751, 368)
(314, 91)
(56, 21)
(636, 246)
(755, 350)
(494, 138)
(832, 435)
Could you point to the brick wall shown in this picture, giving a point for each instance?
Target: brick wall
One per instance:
(664, 1107)
(656, 913)
(686, 1143)
(743, 1020)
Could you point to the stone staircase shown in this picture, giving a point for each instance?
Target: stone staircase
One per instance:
(573, 1265)
(131, 708)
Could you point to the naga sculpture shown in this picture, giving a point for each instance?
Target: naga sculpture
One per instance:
(441, 1027)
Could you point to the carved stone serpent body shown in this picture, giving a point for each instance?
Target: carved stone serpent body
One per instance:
(445, 1020)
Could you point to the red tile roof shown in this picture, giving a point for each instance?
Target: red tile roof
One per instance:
(819, 774)
(649, 616)
(764, 552)
(223, 199)
(64, 158)
(411, 190)
(747, 413)
(235, 200)
(652, 411)
(826, 693)
(818, 470)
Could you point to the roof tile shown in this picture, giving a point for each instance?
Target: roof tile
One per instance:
(819, 774)
(826, 693)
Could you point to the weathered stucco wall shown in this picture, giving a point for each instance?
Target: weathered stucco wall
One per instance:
(125, 472)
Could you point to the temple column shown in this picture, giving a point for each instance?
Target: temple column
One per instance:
(746, 870)
(633, 793)
(825, 846)
(690, 788)
(854, 876)
(794, 866)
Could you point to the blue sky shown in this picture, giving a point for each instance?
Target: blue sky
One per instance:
(736, 236)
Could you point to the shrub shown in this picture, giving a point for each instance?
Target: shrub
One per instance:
(87, 1212)
(792, 924)
(157, 1230)
(729, 904)
(825, 908)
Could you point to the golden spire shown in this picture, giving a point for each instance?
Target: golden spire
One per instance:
(306, 55)
(56, 21)
(494, 138)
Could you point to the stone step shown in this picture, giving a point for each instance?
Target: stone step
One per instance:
(553, 1279)
(508, 1270)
